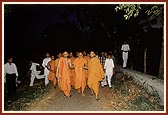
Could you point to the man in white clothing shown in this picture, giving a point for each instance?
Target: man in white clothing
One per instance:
(34, 73)
(109, 71)
(125, 49)
(46, 69)
(10, 74)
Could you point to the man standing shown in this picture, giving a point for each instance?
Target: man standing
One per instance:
(10, 74)
(125, 49)
(46, 69)
(95, 74)
(64, 74)
(80, 78)
(34, 73)
(109, 69)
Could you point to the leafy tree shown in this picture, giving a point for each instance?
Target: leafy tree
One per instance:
(153, 12)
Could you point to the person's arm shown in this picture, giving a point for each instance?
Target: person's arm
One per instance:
(128, 48)
(122, 48)
(105, 64)
(16, 72)
(113, 67)
(5, 74)
(43, 64)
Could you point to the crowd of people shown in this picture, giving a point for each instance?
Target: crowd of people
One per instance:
(67, 71)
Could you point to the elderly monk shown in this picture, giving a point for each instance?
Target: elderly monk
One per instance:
(95, 74)
(72, 71)
(64, 74)
(51, 76)
(80, 78)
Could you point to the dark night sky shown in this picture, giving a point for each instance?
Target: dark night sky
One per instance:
(36, 29)
(28, 25)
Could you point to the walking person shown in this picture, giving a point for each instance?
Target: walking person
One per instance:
(52, 73)
(35, 73)
(80, 78)
(46, 69)
(95, 74)
(125, 49)
(72, 71)
(109, 69)
(63, 70)
(10, 74)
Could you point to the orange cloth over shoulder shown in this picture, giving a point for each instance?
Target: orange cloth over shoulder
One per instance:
(80, 78)
(95, 74)
(51, 75)
(64, 76)
(72, 73)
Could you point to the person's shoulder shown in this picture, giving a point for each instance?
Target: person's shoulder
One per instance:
(13, 64)
(6, 64)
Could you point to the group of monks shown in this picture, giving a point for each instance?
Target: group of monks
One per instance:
(84, 70)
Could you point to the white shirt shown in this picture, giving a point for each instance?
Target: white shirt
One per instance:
(45, 62)
(108, 66)
(125, 47)
(10, 69)
(33, 66)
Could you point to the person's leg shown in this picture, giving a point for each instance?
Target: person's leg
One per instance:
(8, 84)
(109, 80)
(46, 73)
(83, 85)
(126, 58)
(32, 79)
(104, 82)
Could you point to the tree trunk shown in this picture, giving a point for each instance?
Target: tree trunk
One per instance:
(145, 60)
(161, 67)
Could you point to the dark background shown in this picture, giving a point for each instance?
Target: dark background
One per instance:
(32, 30)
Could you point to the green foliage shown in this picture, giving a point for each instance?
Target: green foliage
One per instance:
(134, 9)
(155, 10)
(130, 10)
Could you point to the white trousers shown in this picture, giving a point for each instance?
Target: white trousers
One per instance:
(46, 73)
(34, 74)
(125, 58)
(106, 79)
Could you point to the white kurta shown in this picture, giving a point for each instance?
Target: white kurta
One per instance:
(10, 69)
(46, 71)
(108, 66)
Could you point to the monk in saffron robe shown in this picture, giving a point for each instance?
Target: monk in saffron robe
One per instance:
(87, 59)
(72, 71)
(56, 65)
(95, 74)
(64, 74)
(80, 78)
(51, 66)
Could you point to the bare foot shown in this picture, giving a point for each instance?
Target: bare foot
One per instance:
(78, 90)
(83, 94)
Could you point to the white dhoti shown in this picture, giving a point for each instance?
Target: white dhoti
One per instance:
(46, 73)
(125, 58)
(109, 65)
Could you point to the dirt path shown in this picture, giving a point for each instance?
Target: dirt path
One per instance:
(55, 101)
